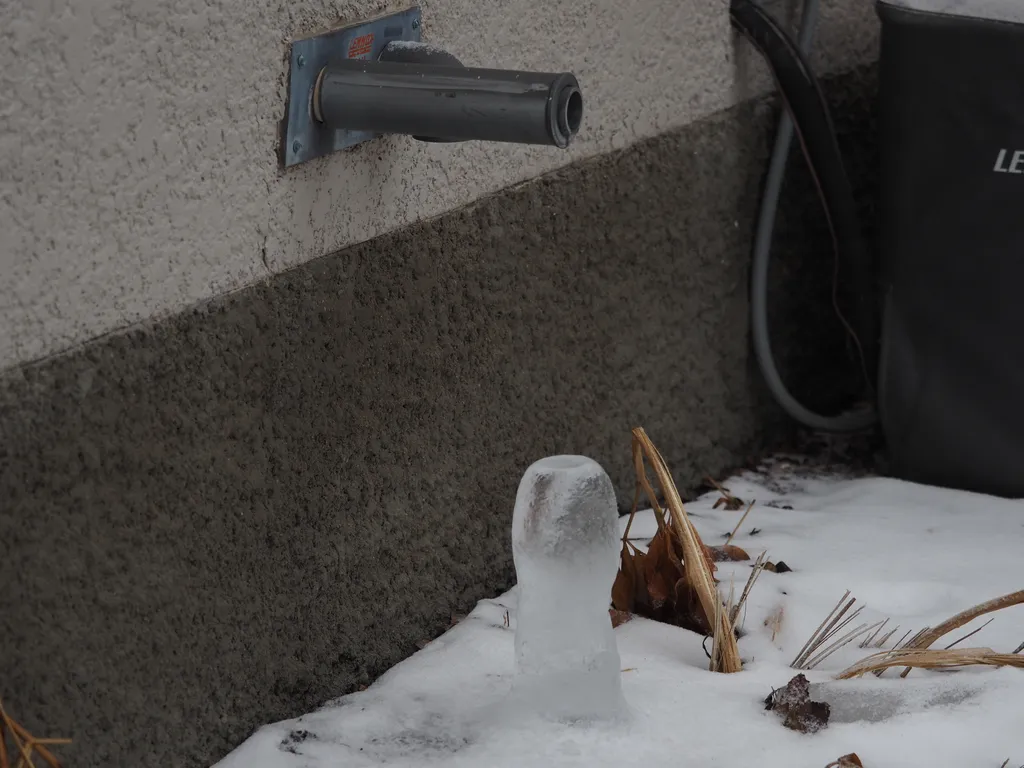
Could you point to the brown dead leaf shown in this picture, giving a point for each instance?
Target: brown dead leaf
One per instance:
(688, 611)
(732, 503)
(640, 596)
(794, 703)
(619, 617)
(728, 552)
(657, 590)
(673, 581)
(657, 555)
(847, 761)
(779, 567)
(625, 580)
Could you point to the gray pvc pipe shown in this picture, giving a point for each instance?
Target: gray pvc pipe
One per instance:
(449, 102)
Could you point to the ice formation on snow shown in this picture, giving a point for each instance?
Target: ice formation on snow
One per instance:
(565, 547)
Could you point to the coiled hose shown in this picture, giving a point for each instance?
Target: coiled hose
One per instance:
(806, 116)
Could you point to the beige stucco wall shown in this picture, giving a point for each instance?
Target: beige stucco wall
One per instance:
(138, 169)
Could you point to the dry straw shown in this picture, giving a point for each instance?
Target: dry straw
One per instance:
(25, 744)
(696, 561)
(914, 658)
(926, 638)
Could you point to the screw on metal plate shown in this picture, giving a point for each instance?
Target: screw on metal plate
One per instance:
(305, 138)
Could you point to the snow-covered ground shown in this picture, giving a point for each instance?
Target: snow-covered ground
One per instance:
(913, 554)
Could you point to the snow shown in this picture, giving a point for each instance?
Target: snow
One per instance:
(996, 10)
(914, 554)
(565, 543)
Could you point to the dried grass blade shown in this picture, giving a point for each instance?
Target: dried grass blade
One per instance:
(964, 617)
(697, 563)
(885, 638)
(845, 640)
(868, 640)
(821, 626)
(839, 627)
(757, 570)
(932, 659)
(969, 634)
(750, 506)
(830, 630)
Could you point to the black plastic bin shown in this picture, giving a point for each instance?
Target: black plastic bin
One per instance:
(951, 384)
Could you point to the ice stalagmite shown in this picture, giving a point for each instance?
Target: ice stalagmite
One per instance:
(565, 545)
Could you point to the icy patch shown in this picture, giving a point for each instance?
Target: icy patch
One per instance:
(871, 700)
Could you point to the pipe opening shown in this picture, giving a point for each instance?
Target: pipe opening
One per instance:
(572, 112)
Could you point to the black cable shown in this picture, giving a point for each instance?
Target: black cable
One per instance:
(807, 112)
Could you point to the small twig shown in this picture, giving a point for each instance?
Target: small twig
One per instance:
(969, 634)
(758, 568)
(1019, 649)
(750, 506)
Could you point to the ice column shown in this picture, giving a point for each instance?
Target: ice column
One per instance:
(565, 546)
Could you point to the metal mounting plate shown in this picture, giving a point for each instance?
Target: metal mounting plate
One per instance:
(305, 138)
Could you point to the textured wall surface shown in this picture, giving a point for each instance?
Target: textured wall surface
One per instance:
(138, 138)
(232, 515)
